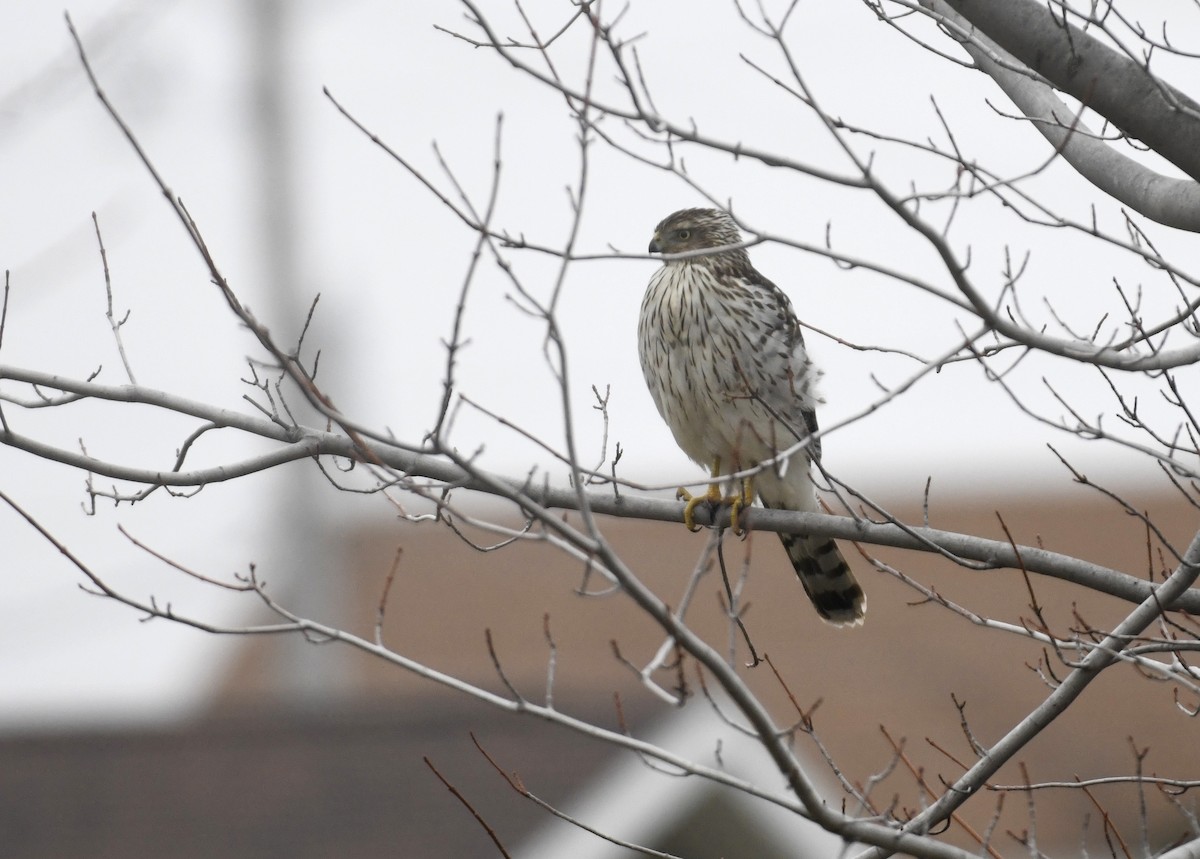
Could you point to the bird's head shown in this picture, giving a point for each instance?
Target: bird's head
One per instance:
(693, 230)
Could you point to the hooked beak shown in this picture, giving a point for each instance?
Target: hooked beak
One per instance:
(655, 247)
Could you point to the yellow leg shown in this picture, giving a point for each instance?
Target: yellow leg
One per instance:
(737, 502)
(713, 496)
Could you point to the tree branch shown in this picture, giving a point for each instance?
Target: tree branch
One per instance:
(1169, 201)
(1121, 90)
(301, 442)
(1057, 702)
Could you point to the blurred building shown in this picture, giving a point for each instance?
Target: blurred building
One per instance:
(267, 772)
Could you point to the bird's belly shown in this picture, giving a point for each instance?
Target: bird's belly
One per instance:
(702, 393)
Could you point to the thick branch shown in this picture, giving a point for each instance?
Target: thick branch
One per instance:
(1106, 653)
(306, 441)
(1121, 90)
(1190, 850)
(1169, 201)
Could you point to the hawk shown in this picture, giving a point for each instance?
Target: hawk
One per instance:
(724, 359)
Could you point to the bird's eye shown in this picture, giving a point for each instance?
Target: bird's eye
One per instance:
(684, 235)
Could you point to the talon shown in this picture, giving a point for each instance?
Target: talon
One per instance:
(714, 497)
(737, 502)
(689, 510)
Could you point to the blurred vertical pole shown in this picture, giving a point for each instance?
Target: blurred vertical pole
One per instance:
(304, 675)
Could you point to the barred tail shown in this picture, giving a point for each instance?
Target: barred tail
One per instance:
(826, 578)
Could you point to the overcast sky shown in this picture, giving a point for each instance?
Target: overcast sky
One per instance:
(389, 261)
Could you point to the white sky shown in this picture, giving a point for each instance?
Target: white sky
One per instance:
(389, 262)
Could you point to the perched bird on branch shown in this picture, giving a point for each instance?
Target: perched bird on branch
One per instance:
(724, 358)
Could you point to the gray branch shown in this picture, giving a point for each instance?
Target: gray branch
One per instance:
(1089, 668)
(1001, 34)
(301, 442)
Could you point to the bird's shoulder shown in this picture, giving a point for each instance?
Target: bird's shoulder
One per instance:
(772, 301)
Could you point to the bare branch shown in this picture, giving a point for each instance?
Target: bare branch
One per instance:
(1174, 202)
